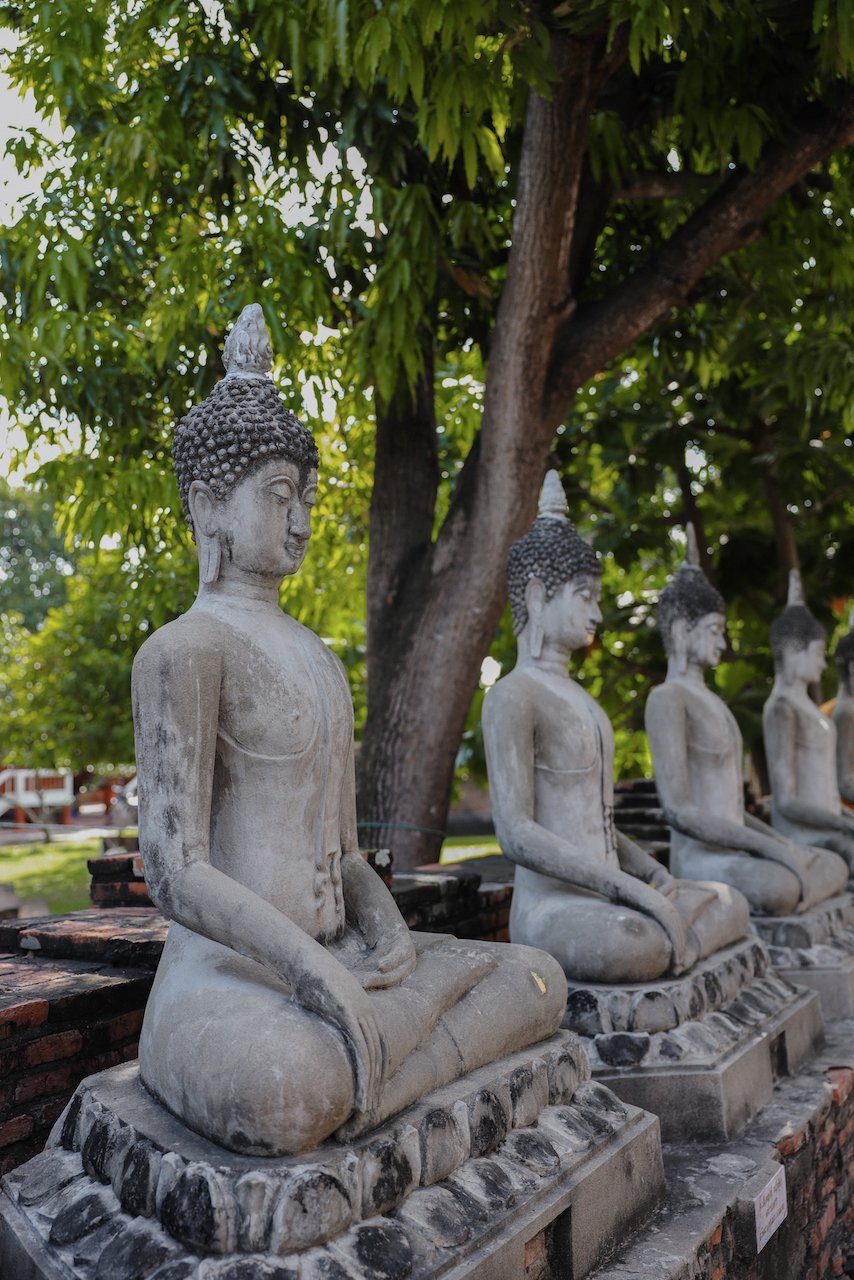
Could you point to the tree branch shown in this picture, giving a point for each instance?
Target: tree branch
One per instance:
(662, 186)
(728, 220)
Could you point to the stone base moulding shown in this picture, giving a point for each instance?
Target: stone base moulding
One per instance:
(816, 950)
(455, 1186)
(701, 1051)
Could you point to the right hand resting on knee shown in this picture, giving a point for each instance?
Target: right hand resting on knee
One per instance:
(654, 903)
(331, 991)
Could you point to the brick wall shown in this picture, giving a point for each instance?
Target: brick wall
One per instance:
(59, 1021)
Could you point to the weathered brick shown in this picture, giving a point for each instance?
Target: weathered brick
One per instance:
(16, 1129)
(62, 1044)
(44, 1084)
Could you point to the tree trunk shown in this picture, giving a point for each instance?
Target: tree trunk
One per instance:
(434, 604)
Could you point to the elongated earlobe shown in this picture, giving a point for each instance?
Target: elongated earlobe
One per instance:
(536, 638)
(210, 555)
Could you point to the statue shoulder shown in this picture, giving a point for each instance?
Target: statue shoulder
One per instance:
(665, 699)
(514, 694)
(194, 639)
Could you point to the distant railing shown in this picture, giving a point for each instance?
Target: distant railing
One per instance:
(36, 789)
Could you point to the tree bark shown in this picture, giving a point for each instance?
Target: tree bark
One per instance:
(434, 606)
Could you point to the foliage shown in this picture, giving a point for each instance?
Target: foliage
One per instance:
(34, 561)
(355, 168)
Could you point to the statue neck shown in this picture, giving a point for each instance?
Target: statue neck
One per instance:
(240, 587)
(686, 669)
(785, 682)
(553, 657)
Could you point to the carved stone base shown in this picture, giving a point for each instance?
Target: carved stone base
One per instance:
(700, 1051)
(816, 950)
(453, 1187)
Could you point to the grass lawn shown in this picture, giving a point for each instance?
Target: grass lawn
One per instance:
(55, 871)
(458, 848)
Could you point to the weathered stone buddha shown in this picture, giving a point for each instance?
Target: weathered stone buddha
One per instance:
(599, 903)
(698, 755)
(843, 714)
(800, 740)
(291, 1001)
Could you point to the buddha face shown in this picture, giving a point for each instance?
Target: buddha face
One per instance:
(805, 664)
(264, 523)
(705, 641)
(572, 615)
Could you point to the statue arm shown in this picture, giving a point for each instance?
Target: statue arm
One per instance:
(508, 733)
(369, 905)
(666, 729)
(176, 683)
(780, 726)
(845, 755)
(639, 863)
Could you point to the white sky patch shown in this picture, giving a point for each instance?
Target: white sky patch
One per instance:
(490, 670)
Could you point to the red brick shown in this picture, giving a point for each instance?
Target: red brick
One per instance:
(789, 1145)
(62, 1044)
(16, 1129)
(841, 1081)
(826, 1220)
(19, 1015)
(127, 1024)
(46, 1083)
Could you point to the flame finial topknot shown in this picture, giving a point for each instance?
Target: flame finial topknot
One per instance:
(247, 352)
(692, 550)
(796, 588)
(553, 503)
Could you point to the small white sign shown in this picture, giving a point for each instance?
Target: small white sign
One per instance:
(770, 1207)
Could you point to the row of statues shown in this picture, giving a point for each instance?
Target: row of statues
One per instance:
(321, 1091)
(581, 883)
(288, 964)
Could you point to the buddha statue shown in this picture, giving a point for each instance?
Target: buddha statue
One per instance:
(291, 1002)
(606, 909)
(800, 740)
(843, 714)
(698, 757)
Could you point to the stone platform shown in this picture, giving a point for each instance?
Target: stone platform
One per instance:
(701, 1051)
(705, 1227)
(816, 950)
(455, 1186)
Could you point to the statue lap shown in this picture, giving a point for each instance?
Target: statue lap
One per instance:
(281, 1074)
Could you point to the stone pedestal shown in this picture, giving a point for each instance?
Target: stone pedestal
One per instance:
(700, 1051)
(454, 1186)
(816, 950)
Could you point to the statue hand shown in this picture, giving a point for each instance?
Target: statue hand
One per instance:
(333, 992)
(392, 959)
(656, 904)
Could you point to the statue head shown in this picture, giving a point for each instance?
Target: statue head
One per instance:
(553, 575)
(242, 427)
(798, 640)
(844, 657)
(692, 614)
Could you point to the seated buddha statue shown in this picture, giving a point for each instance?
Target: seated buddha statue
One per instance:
(698, 756)
(800, 740)
(843, 714)
(606, 909)
(291, 1002)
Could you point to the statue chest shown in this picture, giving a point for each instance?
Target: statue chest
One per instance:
(712, 730)
(815, 735)
(574, 738)
(278, 695)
